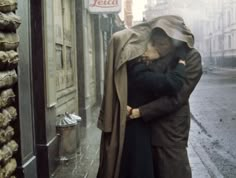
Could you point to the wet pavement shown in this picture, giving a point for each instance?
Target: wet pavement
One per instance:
(211, 140)
(85, 164)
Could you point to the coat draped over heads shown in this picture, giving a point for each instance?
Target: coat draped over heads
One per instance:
(126, 45)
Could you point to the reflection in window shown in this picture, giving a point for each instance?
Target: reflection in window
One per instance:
(59, 57)
(67, 20)
(68, 58)
(58, 21)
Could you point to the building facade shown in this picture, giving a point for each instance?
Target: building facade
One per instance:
(219, 34)
(61, 69)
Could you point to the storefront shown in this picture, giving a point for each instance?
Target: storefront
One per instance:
(47, 83)
(57, 74)
(62, 55)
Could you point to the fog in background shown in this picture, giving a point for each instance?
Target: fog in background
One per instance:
(213, 23)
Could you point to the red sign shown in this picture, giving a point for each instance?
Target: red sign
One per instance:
(104, 6)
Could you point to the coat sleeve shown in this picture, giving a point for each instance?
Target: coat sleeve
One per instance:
(158, 82)
(169, 104)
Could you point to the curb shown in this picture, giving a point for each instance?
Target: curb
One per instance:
(205, 160)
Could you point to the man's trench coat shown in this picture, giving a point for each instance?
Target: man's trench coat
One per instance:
(127, 45)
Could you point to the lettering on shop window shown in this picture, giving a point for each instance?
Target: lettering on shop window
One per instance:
(104, 3)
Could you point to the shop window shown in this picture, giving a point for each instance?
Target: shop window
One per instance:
(59, 57)
(67, 16)
(68, 58)
(58, 21)
(64, 43)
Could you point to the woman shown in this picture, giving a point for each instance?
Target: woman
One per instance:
(125, 46)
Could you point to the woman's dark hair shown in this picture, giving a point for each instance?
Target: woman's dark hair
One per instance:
(181, 49)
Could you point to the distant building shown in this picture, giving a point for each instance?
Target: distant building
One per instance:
(213, 23)
(220, 34)
(229, 30)
(156, 8)
(128, 13)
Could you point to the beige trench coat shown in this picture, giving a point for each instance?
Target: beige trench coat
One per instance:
(126, 45)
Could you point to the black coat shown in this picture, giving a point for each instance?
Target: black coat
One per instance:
(150, 81)
(145, 84)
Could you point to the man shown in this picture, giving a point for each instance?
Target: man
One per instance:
(169, 116)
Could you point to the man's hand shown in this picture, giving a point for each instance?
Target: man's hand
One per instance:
(135, 114)
(181, 61)
(129, 110)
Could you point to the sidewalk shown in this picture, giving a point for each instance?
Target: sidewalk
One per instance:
(86, 163)
(200, 162)
(222, 71)
(198, 168)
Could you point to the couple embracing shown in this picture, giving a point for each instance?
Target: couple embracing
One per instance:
(151, 71)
